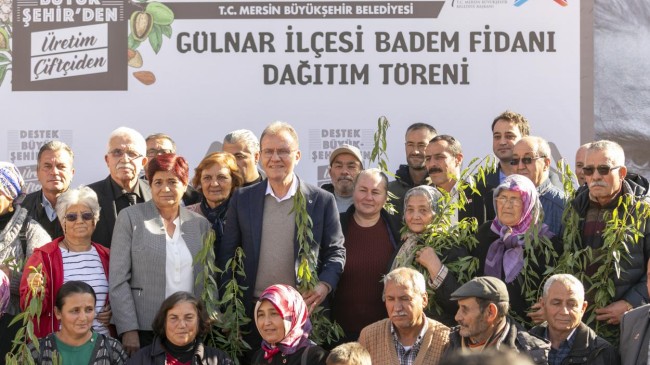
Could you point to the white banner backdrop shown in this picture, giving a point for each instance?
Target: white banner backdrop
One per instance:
(455, 69)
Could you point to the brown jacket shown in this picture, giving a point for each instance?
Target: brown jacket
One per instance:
(378, 340)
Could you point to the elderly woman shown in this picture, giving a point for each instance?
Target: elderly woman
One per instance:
(74, 341)
(71, 257)
(180, 326)
(506, 244)
(216, 177)
(282, 320)
(421, 205)
(19, 234)
(152, 252)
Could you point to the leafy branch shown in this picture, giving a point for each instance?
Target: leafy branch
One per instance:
(379, 154)
(21, 351)
(324, 330)
(226, 332)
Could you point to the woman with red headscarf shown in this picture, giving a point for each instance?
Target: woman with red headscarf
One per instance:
(282, 319)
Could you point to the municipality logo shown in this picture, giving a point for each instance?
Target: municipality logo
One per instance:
(559, 2)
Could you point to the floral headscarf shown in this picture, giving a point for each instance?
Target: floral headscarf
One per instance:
(4, 292)
(506, 253)
(297, 326)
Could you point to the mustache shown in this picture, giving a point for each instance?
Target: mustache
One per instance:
(598, 183)
(434, 170)
(348, 178)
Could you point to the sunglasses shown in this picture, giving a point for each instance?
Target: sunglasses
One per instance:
(525, 160)
(602, 170)
(86, 216)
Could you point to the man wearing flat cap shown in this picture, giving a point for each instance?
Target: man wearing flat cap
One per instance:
(345, 164)
(483, 322)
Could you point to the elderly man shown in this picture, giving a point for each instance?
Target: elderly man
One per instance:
(414, 173)
(54, 169)
(158, 144)
(243, 144)
(635, 334)
(262, 221)
(407, 336)
(345, 164)
(372, 237)
(125, 157)
(531, 158)
(572, 342)
(580, 163)
(483, 321)
(608, 180)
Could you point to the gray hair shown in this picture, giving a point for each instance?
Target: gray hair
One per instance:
(432, 194)
(351, 353)
(243, 135)
(372, 172)
(569, 281)
(540, 145)
(138, 141)
(53, 146)
(276, 127)
(81, 195)
(407, 277)
(161, 136)
(613, 150)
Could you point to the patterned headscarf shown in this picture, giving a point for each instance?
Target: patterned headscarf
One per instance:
(506, 254)
(11, 181)
(433, 195)
(4, 292)
(297, 326)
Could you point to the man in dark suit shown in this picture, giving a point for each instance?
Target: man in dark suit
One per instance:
(261, 220)
(54, 169)
(125, 158)
(635, 334)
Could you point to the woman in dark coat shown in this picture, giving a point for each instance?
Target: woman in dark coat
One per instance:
(180, 326)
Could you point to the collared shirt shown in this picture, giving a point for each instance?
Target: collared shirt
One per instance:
(179, 273)
(556, 356)
(502, 176)
(292, 190)
(49, 209)
(407, 354)
(121, 199)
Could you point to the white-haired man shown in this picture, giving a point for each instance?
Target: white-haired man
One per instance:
(407, 336)
(608, 180)
(572, 341)
(125, 157)
(243, 144)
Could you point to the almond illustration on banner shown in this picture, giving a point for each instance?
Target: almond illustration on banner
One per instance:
(151, 22)
(145, 77)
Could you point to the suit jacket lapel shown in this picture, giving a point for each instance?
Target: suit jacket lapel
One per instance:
(256, 215)
(109, 204)
(639, 329)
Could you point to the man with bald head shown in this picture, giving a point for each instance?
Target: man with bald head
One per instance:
(531, 158)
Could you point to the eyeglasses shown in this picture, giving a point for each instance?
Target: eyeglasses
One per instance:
(154, 152)
(86, 216)
(602, 170)
(516, 202)
(525, 160)
(282, 152)
(119, 153)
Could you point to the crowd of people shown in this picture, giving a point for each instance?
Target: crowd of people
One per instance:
(506, 259)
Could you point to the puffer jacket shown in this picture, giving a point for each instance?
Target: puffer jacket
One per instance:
(155, 354)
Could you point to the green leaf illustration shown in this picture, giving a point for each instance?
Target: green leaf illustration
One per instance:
(133, 43)
(162, 15)
(166, 30)
(155, 38)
